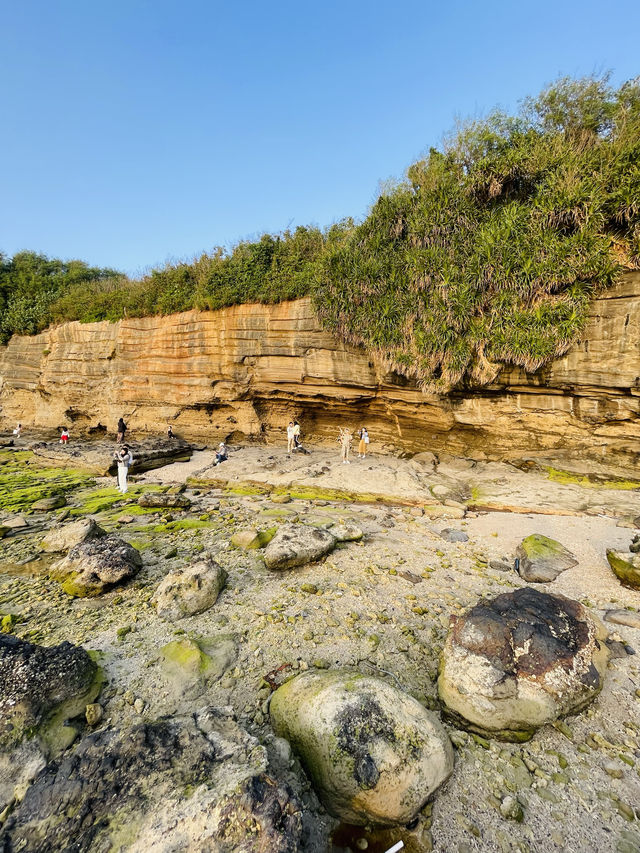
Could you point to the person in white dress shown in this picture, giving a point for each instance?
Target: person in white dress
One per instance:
(124, 458)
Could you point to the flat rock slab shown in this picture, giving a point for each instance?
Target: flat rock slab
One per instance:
(34, 680)
(626, 567)
(543, 559)
(374, 754)
(97, 456)
(67, 536)
(516, 662)
(298, 544)
(48, 504)
(131, 783)
(93, 567)
(165, 500)
(623, 617)
(450, 534)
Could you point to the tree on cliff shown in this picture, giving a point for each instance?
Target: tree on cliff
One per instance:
(30, 283)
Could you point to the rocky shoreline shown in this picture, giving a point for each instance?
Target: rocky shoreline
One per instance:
(215, 619)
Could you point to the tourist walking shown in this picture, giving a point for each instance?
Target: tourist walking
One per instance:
(124, 458)
(290, 437)
(122, 428)
(345, 444)
(364, 443)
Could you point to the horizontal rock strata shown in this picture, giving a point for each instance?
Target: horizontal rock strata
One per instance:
(247, 370)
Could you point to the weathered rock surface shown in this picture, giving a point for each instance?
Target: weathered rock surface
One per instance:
(255, 363)
(298, 544)
(190, 590)
(67, 536)
(623, 617)
(345, 531)
(450, 534)
(47, 504)
(518, 661)
(543, 559)
(626, 567)
(374, 754)
(125, 790)
(95, 566)
(97, 456)
(164, 501)
(34, 680)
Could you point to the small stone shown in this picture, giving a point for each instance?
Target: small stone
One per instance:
(623, 617)
(511, 809)
(309, 588)
(138, 706)
(129, 697)
(93, 713)
(170, 553)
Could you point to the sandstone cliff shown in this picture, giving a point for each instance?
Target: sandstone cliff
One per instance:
(247, 370)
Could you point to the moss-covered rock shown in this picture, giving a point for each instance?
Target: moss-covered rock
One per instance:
(41, 688)
(252, 539)
(65, 537)
(626, 567)
(374, 754)
(94, 567)
(543, 559)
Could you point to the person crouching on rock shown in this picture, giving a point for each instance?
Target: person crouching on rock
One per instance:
(64, 435)
(170, 433)
(345, 444)
(122, 428)
(124, 458)
(221, 453)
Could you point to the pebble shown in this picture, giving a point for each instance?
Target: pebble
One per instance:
(138, 706)
(93, 713)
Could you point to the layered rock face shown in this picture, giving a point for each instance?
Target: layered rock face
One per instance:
(248, 370)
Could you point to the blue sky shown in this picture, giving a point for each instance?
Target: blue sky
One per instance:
(134, 131)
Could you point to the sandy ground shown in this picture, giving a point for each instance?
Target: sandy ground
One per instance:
(383, 606)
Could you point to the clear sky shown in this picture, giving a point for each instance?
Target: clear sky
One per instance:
(133, 131)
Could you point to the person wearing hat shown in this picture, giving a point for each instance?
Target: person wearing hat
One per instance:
(221, 453)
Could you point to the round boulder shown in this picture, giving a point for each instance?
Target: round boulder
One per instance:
(374, 754)
(93, 567)
(518, 661)
(194, 589)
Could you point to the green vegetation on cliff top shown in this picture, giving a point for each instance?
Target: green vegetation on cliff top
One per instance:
(488, 253)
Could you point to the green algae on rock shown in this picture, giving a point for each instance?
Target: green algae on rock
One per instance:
(93, 567)
(543, 559)
(626, 567)
(375, 755)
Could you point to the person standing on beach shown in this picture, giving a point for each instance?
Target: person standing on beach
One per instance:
(124, 458)
(64, 436)
(296, 435)
(364, 443)
(290, 438)
(122, 428)
(345, 444)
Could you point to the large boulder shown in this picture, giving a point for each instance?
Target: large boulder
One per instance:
(67, 536)
(298, 544)
(36, 681)
(626, 567)
(513, 663)
(190, 590)
(374, 754)
(94, 567)
(542, 559)
(194, 783)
